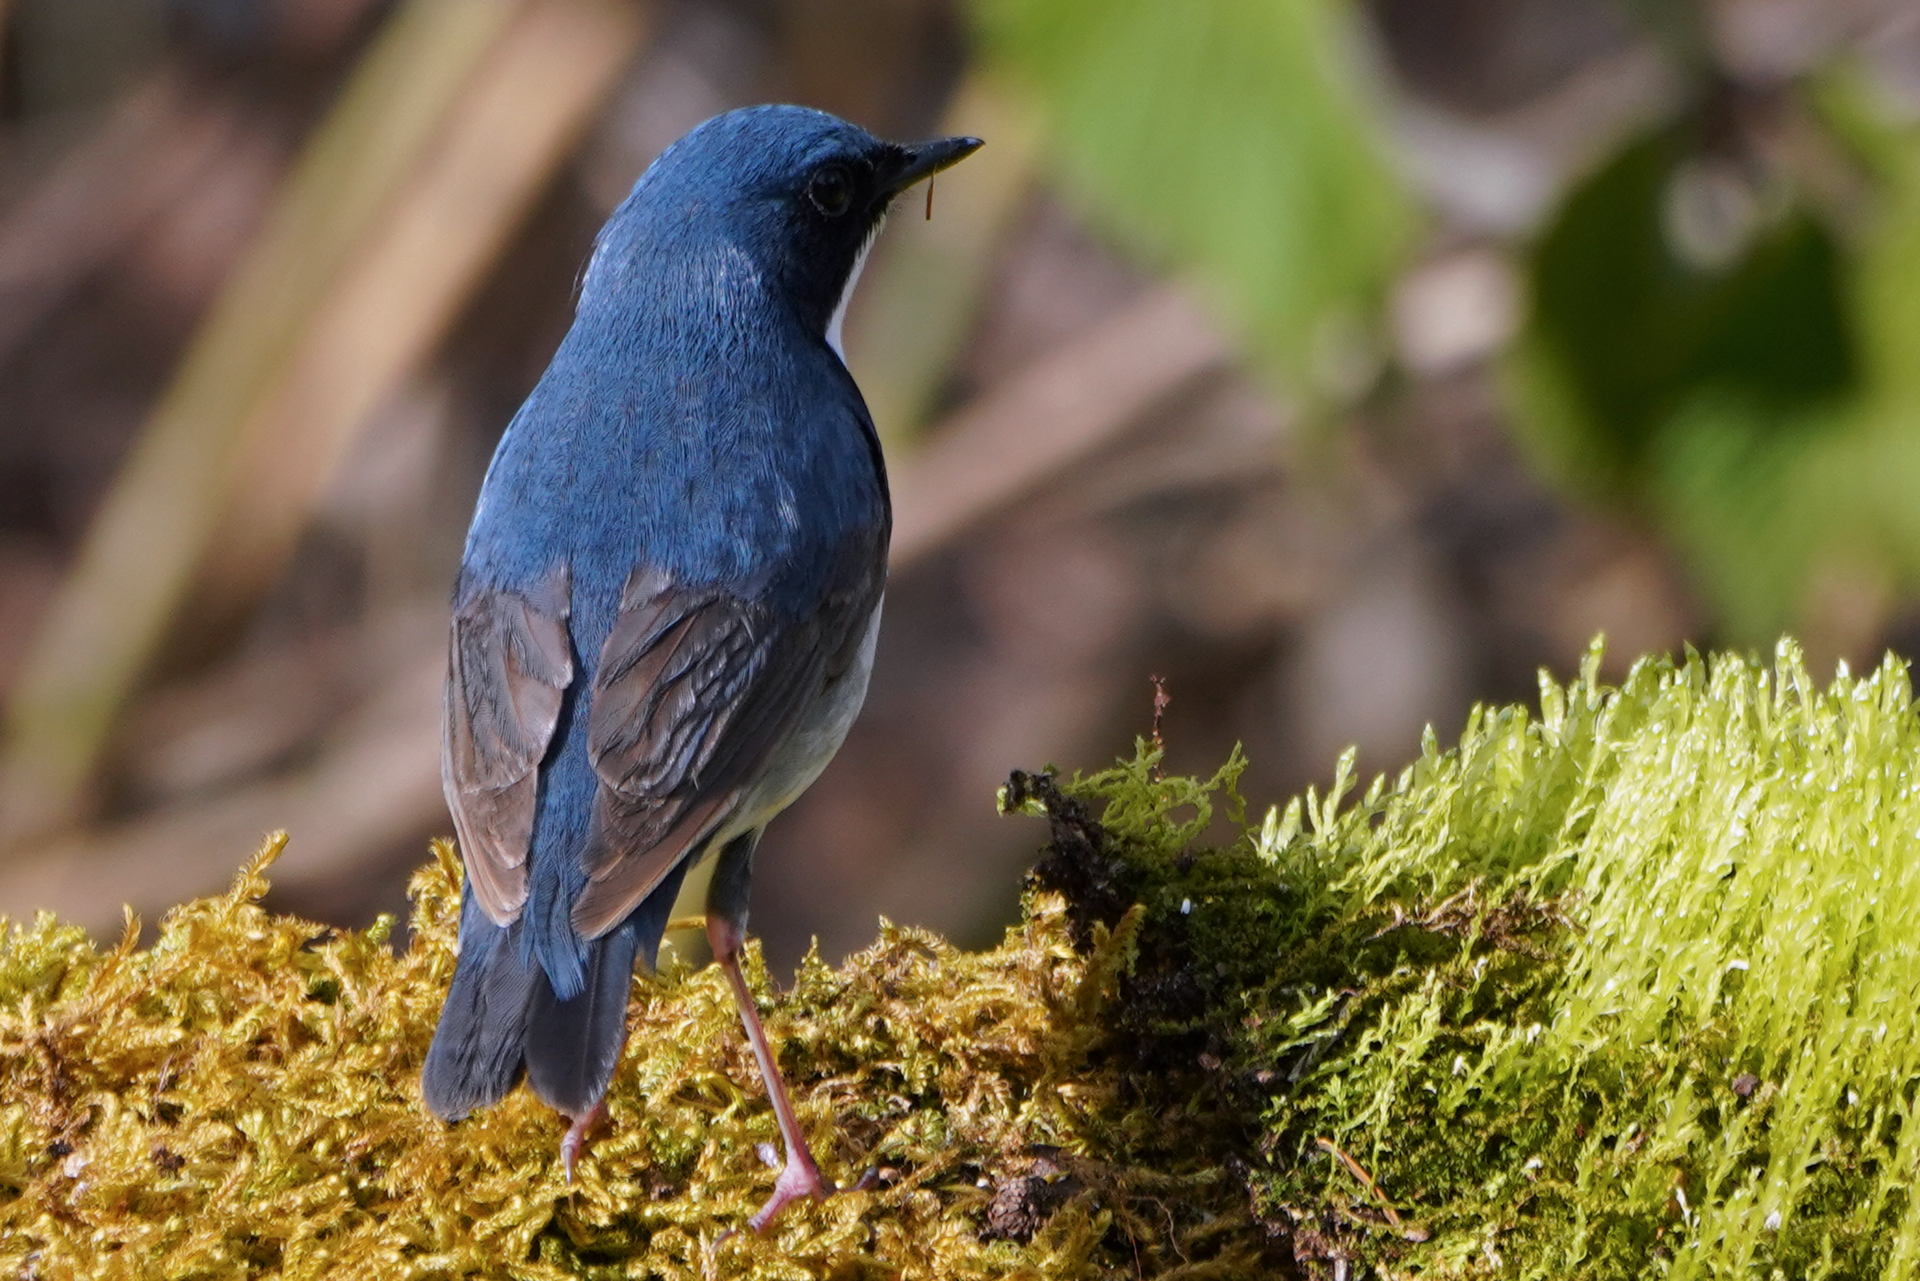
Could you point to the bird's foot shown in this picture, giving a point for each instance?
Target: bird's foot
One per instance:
(578, 1135)
(799, 1177)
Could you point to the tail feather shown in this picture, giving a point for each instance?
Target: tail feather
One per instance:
(573, 1046)
(502, 1017)
(477, 1050)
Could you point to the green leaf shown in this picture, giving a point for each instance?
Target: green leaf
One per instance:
(1631, 330)
(1764, 410)
(1228, 137)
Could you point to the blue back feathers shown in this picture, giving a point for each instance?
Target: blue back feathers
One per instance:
(695, 410)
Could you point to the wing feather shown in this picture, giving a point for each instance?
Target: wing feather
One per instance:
(695, 690)
(509, 664)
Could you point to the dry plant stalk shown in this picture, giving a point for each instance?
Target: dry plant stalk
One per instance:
(397, 207)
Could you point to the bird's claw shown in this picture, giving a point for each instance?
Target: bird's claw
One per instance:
(578, 1135)
(799, 1177)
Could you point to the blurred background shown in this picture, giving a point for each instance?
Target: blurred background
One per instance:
(1340, 364)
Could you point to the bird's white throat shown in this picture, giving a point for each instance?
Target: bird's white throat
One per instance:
(839, 320)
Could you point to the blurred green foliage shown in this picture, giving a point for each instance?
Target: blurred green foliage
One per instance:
(1228, 137)
(1636, 332)
(1723, 332)
(1755, 398)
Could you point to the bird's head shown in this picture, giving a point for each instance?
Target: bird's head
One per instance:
(787, 195)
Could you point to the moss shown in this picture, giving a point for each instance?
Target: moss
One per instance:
(242, 1098)
(1625, 985)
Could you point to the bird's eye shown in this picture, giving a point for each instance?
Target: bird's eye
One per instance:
(831, 190)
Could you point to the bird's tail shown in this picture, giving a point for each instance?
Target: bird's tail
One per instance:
(573, 1045)
(502, 1017)
(477, 1050)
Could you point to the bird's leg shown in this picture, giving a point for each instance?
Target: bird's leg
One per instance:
(799, 1177)
(579, 1134)
(726, 931)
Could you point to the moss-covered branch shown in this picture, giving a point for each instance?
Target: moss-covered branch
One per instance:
(1626, 985)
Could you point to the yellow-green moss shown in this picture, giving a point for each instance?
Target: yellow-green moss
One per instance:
(242, 1099)
(1624, 987)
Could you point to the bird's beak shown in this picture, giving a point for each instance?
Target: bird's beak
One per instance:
(924, 159)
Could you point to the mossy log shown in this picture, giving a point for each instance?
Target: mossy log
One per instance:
(1624, 986)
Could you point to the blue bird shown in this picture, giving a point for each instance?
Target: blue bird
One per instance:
(666, 611)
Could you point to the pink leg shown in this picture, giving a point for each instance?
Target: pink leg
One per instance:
(578, 1135)
(799, 1177)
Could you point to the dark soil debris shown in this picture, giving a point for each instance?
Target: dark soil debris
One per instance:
(1077, 863)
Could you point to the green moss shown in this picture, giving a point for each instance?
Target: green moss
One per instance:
(1624, 986)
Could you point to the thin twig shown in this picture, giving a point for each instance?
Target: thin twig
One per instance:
(1161, 700)
(1366, 1180)
(1038, 425)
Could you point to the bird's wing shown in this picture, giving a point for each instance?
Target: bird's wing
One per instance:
(508, 669)
(695, 690)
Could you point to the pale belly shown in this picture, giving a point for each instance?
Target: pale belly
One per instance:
(800, 759)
